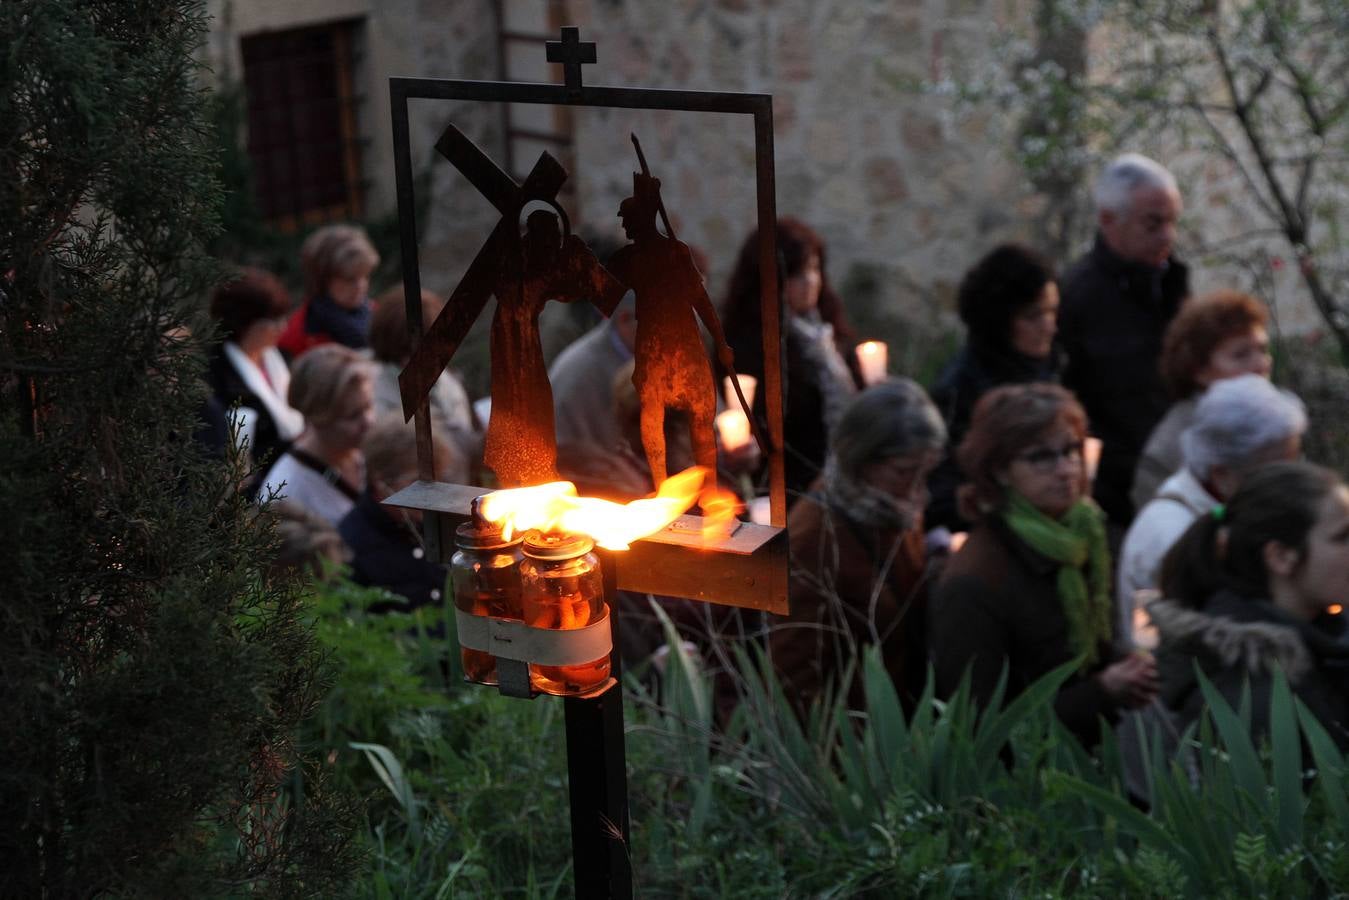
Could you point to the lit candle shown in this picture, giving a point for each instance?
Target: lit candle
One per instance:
(747, 385)
(958, 540)
(733, 426)
(1091, 453)
(871, 356)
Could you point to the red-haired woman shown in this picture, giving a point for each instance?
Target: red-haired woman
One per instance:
(1030, 589)
(1216, 336)
(820, 376)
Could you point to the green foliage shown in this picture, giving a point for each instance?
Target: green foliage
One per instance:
(469, 796)
(154, 675)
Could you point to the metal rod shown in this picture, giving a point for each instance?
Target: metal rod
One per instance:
(597, 776)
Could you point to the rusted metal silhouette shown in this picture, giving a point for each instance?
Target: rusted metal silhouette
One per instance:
(523, 274)
(672, 370)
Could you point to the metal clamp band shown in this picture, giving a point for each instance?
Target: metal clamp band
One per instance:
(513, 639)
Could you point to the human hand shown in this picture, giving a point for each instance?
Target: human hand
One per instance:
(1132, 681)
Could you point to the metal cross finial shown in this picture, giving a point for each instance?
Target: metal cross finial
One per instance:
(571, 52)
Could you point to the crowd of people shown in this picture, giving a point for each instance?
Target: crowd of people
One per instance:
(971, 533)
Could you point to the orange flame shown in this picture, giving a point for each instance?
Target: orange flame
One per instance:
(555, 506)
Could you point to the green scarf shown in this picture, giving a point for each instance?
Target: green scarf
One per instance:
(1077, 543)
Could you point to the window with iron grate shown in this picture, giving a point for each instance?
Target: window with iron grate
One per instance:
(303, 134)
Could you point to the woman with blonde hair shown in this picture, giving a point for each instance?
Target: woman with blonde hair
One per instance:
(337, 261)
(324, 470)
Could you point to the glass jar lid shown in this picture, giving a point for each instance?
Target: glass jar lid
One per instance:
(556, 545)
(479, 534)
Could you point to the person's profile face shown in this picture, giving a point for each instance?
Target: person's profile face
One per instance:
(1322, 577)
(352, 419)
(1034, 325)
(1145, 232)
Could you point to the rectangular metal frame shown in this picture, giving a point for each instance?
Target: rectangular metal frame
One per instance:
(758, 579)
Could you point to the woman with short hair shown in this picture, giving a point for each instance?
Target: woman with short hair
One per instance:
(856, 544)
(1248, 590)
(1216, 336)
(1030, 589)
(1239, 425)
(324, 469)
(1008, 301)
(391, 346)
(337, 261)
(246, 371)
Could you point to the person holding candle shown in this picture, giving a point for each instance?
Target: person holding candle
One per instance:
(857, 554)
(1030, 590)
(1216, 336)
(1009, 303)
(1250, 591)
(821, 373)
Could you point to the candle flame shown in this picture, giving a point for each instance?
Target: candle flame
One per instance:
(556, 506)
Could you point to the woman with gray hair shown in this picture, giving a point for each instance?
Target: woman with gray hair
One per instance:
(857, 551)
(1240, 424)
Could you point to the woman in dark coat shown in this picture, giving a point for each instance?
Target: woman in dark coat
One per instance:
(1031, 589)
(1009, 302)
(821, 368)
(858, 562)
(246, 372)
(1248, 593)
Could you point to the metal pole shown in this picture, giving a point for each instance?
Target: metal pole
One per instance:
(597, 775)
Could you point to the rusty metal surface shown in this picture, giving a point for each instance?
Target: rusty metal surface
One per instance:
(746, 568)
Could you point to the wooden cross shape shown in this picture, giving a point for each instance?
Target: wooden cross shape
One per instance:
(572, 52)
(442, 339)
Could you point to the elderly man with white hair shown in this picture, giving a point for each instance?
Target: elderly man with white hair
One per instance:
(1240, 424)
(1115, 305)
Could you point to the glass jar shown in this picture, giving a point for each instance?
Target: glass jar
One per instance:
(562, 589)
(485, 573)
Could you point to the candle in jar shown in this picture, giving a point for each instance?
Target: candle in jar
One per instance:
(1091, 454)
(747, 385)
(872, 357)
(733, 426)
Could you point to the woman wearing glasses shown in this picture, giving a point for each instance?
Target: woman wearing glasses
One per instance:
(1030, 589)
(857, 555)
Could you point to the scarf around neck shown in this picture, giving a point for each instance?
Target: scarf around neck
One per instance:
(1076, 541)
(863, 503)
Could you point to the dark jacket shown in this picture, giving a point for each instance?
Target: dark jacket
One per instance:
(1111, 323)
(997, 602)
(321, 321)
(804, 431)
(387, 554)
(229, 389)
(1235, 640)
(975, 370)
(837, 565)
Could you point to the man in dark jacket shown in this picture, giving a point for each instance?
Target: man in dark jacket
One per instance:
(1117, 301)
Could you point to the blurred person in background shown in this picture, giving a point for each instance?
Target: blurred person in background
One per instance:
(1009, 302)
(1117, 302)
(1216, 336)
(1249, 593)
(391, 347)
(246, 370)
(386, 541)
(857, 550)
(821, 374)
(324, 470)
(1238, 425)
(1030, 590)
(337, 261)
